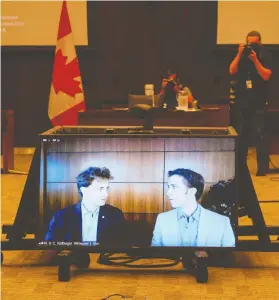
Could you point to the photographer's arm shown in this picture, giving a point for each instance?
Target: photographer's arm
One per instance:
(234, 64)
(263, 72)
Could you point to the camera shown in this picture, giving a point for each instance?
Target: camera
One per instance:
(247, 50)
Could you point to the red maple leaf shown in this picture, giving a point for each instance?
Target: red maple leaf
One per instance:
(64, 74)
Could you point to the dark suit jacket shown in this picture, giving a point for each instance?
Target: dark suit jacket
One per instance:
(66, 224)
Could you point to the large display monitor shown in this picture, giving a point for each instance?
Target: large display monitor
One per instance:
(110, 189)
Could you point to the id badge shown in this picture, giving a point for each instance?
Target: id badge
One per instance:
(249, 84)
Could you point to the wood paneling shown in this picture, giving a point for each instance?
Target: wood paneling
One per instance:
(137, 197)
(144, 217)
(213, 166)
(87, 144)
(124, 166)
(200, 144)
(129, 197)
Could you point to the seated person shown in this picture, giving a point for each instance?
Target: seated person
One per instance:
(189, 224)
(90, 218)
(170, 87)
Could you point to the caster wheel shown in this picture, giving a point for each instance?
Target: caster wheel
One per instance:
(202, 275)
(83, 261)
(2, 258)
(64, 272)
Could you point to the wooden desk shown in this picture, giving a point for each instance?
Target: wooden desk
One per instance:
(208, 116)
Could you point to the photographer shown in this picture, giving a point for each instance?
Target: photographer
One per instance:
(169, 88)
(252, 70)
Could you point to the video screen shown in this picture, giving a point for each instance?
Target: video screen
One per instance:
(122, 192)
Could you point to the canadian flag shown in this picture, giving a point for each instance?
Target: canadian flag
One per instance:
(66, 93)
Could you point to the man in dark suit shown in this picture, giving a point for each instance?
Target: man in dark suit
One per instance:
(91, 218)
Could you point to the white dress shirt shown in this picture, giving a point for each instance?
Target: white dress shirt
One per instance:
(89, 223)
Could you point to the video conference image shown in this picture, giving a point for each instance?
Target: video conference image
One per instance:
(140, 195)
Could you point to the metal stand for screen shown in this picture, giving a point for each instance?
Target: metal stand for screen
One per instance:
(26, 222)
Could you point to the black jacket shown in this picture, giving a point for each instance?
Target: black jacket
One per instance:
(66, 224)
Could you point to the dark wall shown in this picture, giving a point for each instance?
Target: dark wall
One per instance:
(130, 44)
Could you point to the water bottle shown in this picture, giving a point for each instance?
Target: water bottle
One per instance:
(195, 104)
(183, 98)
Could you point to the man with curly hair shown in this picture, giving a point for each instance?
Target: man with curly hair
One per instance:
(89, 219)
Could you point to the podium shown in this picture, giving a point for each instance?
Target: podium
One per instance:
(207, 116)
